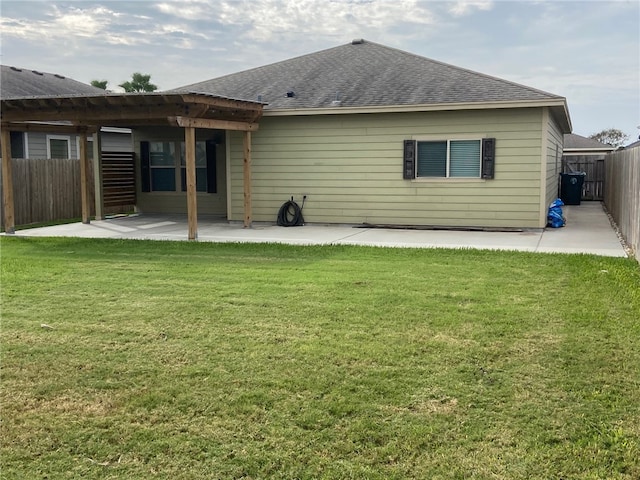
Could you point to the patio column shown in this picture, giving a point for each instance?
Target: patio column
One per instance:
(97, 175)
(7, 182)
(192, 205)
(247, 179)
(84, 178)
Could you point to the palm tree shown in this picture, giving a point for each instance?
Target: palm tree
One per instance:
(99, 84)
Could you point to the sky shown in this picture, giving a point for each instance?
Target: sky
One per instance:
(586, 51)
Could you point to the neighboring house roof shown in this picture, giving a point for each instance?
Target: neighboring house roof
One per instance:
(364, 74)
(579, 145)
(634, 144)
(23, 83)
(30, 98)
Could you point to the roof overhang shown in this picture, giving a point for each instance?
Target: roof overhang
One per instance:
(587, 151)
(134, 109)
(558, 108)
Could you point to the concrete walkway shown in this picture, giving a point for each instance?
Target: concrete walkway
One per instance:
(588, 230)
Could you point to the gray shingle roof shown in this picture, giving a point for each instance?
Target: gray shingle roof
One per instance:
(23, 82)
(365, 74)
(574, 141)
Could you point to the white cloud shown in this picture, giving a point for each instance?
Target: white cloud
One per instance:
(187, 9)
(464, 7)
(265, 19)
(67, 24)
(74, 27)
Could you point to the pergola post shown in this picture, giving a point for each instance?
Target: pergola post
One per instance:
(7, 182)
(84, 178)
(247, 178)
(192, 205)
(97, 175)
(187, 110)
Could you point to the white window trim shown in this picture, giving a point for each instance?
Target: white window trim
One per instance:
(436, 138)
(59, 137)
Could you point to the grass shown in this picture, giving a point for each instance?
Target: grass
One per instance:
(193, 361)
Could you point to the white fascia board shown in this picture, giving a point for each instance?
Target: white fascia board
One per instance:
(583, 151)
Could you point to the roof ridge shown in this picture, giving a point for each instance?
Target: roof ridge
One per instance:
(365, 74)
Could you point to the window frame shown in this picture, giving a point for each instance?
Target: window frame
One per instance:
(487, 158)
(201, 170)
(67, 138)
(448, 141)
(152, 167)
(207, 173)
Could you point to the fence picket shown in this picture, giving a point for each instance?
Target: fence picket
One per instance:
(622, 194)
(48, 190)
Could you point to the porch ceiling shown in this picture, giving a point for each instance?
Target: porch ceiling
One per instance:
(132, 109)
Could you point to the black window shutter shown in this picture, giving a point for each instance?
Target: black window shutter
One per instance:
(409, 163)
(145, 170)
(211, 166)
(488, 157)
(17, 144)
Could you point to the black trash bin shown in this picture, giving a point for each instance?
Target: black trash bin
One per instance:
(571, 187)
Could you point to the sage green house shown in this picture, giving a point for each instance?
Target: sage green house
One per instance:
(370, 135)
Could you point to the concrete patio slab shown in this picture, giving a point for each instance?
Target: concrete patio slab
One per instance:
(588, 230)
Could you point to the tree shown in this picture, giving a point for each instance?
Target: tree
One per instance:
(611, 136)
(99, 84)
(139, 83)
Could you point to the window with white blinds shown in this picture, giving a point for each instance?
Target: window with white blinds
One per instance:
(449, 158)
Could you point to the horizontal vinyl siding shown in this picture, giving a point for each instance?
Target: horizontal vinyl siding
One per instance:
(116, 142)
(350, 168)
(36, 144)
(555, 145)
(111, 142)
(176, 202)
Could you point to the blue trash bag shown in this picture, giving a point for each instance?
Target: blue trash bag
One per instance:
(555, 219)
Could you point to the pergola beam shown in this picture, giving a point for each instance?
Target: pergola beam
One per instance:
(187, 110)
(47, 128)
(186, 122)
(96, 115)
(219, 102)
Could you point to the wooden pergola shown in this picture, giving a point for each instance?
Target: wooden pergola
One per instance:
(84, 115)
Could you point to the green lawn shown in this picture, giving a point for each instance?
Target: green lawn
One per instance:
(202, 361)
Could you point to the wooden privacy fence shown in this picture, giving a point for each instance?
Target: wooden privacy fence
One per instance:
(48, 190)
(622, 194)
